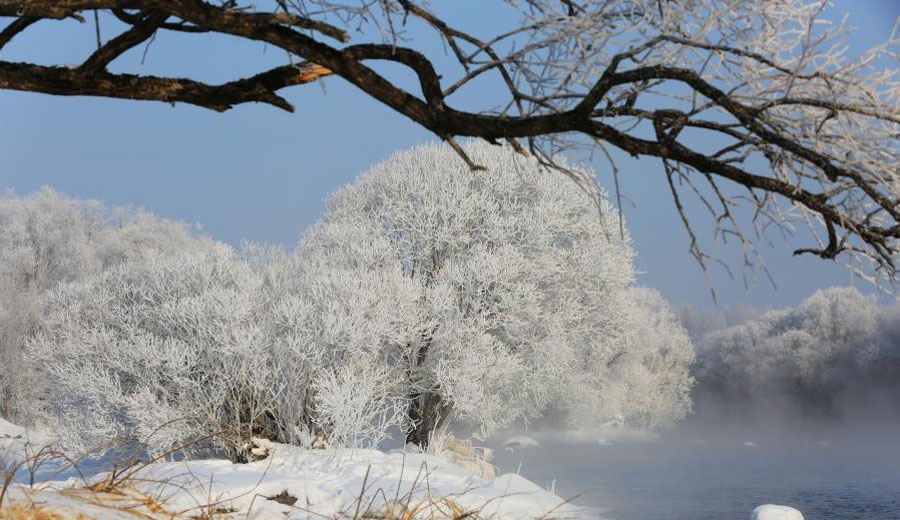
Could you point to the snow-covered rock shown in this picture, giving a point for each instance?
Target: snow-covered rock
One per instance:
(258, 448)
(520, 441)
(775, 512)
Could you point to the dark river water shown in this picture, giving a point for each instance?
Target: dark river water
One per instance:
(688, 477)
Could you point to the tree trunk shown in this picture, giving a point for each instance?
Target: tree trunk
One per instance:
(427, 414)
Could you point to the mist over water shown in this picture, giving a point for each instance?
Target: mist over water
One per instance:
(797, 406)
(721, 472)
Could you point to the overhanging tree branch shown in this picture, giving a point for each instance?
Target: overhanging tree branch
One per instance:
(65, 81)
(813, 139)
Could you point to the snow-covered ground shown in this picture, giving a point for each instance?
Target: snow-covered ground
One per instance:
(13, 440)
(295, 483)
(17, 443)
(317, 484)
(10, 430)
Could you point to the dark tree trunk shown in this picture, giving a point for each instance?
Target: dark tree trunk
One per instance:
(427, 414)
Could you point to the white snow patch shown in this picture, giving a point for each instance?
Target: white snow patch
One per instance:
(775, 512)
(751, 444)
(16, 442)
(10, 430)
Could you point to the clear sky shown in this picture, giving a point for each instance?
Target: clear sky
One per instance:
(261, 174)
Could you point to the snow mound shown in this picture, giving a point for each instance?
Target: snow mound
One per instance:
(775, 512)
(751, 444)
(338, 482)
(520, 441)
(9, 430)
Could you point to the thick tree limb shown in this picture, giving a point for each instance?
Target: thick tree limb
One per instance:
(59, 9)
(73, 82)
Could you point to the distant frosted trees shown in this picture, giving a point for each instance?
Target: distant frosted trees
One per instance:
(417, 301)
(836, 346)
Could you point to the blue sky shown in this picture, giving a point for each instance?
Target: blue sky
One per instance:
(261, 174)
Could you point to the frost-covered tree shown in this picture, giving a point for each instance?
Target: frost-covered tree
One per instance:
(499, 295)
(806, 361)
(47, 239)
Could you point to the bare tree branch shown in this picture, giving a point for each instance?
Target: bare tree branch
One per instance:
(18, 25)
(73, 82)
(811, 134)
(140, 31)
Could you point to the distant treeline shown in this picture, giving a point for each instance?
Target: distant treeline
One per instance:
(834, 357)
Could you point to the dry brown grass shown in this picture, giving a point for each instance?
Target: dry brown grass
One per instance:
(27, 512)
(83, 503)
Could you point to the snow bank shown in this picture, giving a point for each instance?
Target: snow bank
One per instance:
(332, 482)
(9, 430)
(775, 512)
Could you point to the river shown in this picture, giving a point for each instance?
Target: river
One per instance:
(692, 477)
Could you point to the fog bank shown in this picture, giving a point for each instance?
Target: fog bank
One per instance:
(833, 360)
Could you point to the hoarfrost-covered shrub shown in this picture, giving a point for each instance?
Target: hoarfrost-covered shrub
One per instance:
(162, 351)
(46, 239)
(219, 348)
(658, 375)
(355, 312)
(645, 384)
